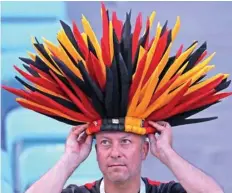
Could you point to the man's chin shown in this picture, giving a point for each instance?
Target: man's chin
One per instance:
(117, 178)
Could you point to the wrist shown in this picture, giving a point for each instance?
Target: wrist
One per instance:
(70, 162)
(167, 155)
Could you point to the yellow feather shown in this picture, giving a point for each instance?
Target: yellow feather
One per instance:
(46, 61)
(182, 68)
(226, 76)
(111, 41)
(69, 63)
(202, 72)
(173, 94)
(164, 60)
(133, 121)
(159, 68)
(153, 48)
(31, 55)
(50, 54)
(176, 28)
(162, 100)
(88, 30)
(175, 66)
(46, 108)
(151, 85)
(188, 75)
(141, 53)
(203, 83)
(62, 37)
(151, 18)
(50, 92)
(156, 105)
(55, 49)
(135, 98)
(84, 36)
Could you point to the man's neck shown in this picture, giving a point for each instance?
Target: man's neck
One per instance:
(130, 186)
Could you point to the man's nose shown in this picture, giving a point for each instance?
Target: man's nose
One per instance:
(115, 151)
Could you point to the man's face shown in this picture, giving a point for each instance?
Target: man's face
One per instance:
(120, 154)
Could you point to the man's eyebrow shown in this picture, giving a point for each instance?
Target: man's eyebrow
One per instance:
(104, 137)
(125, 136)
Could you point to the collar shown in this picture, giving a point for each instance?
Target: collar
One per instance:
(142, 186)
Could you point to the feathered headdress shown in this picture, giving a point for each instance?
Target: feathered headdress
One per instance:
(122, 82)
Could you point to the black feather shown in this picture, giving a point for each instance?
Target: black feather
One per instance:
(71, 37)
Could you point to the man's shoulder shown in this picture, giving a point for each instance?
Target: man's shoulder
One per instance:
(90, 187)
(153, 186)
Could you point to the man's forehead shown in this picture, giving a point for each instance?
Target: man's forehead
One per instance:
(113, 135)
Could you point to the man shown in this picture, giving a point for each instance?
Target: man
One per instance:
(120, 156)
(121, 87)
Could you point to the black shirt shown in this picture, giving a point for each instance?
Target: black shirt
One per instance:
(151, 187)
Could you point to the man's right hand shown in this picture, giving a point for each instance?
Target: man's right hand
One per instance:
(77, 149)
(78, 145)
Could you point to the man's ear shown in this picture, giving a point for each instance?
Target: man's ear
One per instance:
(96, 148)
(145, 149)
(96, 151)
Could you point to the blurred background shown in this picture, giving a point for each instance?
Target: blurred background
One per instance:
(31, 143)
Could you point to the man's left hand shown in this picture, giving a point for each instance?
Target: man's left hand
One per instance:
(160, 145)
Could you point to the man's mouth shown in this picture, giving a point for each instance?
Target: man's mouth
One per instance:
(116, 165)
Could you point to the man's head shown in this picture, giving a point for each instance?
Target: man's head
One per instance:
(120, 154)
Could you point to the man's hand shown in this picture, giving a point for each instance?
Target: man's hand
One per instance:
(78, 145)
(162, 143)
(77, 149)
(190, 177)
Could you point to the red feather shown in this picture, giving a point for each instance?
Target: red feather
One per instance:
(80, 40)
(90, 66)
(105, 37)
(179, 51)
(98, 71)
(137, 77)
(135, 38)
(159, 114)
(54, 105)
(204, 89)
(17, 92)
(157, 55)
(75, 100)
(84, 99)
(163, 89)
(34, 108)
(117, 25)
(39, 81)
(201, 57)
(47, 76)
(210, 99)
(185, 106)
(105, 53)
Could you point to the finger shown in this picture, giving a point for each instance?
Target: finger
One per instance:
(82, 137)
(76, 131)
(89, 140)
(164, 124)
(157, 126)
(79, 129)
(152, 138)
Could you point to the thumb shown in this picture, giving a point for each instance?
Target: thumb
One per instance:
(89, 140)
(76, 131)
(153, 146)
(152, 139)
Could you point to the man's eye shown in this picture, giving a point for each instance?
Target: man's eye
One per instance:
(126, 141)
(105, 142)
